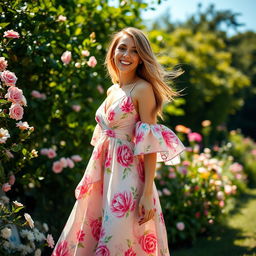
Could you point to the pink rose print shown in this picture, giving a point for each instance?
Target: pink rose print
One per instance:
(102, 250)
(139, 137)
(110, 133)
(130, 252)
(96, 153)
(108, 161)
(169, 138)
(86, 187)
(80, 235)
(162, 217)
(111, 115)
(96, 228)
(148, 243)
(124, 155)
(97, 119)
(122, 203)
(61, 249)
(127, 105)
(140, 169)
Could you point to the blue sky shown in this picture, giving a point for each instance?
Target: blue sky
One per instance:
(182, 9)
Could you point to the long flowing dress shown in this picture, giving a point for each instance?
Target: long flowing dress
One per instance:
(104, 220)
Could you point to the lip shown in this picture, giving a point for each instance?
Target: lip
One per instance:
(123, 62)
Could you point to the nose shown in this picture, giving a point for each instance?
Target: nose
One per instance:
(126, 53)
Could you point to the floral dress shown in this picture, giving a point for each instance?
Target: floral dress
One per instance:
(104, 220)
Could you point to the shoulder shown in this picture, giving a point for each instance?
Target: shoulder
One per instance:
(144, 91)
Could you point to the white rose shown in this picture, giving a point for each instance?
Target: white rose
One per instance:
(29, 220)
(6, 233)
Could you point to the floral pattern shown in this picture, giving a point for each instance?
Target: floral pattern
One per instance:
(104, 220)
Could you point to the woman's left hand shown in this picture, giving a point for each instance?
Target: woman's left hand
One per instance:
(146, 208)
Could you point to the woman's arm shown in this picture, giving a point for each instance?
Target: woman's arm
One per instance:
(146, 104)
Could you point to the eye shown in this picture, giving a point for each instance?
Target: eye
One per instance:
(121, 48)
(135, 51)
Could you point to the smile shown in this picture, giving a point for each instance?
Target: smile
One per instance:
(125, 62)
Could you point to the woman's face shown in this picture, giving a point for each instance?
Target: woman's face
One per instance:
(126, 57)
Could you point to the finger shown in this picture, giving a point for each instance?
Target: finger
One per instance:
(145, 218)
(140, 210)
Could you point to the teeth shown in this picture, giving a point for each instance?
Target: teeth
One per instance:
(124, 62)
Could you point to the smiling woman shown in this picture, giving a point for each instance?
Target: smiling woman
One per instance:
(117, 191)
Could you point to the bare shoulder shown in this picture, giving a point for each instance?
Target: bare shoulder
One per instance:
(143, 90)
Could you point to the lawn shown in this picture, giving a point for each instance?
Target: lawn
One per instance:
(236, 238)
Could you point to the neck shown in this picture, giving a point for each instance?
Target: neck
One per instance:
(127, 79)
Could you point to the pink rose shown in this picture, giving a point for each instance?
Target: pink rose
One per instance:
(111, 115)
(76, 158)
(102, 250)
(61, 249)
(76, 108)
(11, 179)
(14, 94)
(50, 241)
(130, 252)
(148, 243)
(66, 57)
(122, 203)
(23, 125)
(100, 89)
(11, 34)
(16, 111)
(64, 162)
(140, 169)
(51, 153)
(38, 95)
(84, 188)
(110, 133)
(180, 226)
(127, 105)
(92, 62)
(3, 64)
(194, 136)
(80, 235)
(44, 151)
(139, 137)
(6, 187)
(96, 228)
(9, 78)
(85, 53)
(124, 155)
(57, 167)
(169, 138)
(70, 163)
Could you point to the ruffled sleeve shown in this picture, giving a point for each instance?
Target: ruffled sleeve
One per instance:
(96, 134)
(157, 138)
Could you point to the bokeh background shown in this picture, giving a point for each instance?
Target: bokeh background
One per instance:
(57, 56)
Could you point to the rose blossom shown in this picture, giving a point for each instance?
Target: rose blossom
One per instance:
(14, 94)
(6, 187)
(129, 252)
(50, 241)
(23, 125)
(180, 226)
(100, 89)
(16, 111)
(62, 18)
(9, 78)
(148, 243)
(11, 34)
(66, 57)
(124, 155)
(38, 95)
(96, 228)
(76, 108)
(76, 158)
(102, 250)
(44, 151)
(3, 64)
(127, 105)
(85, 53)
(29, 220)
(6, 233)
(122, 203)
(4, 135)
(17, 204)
(92, 62)
(51, 153)
(70, 163)
(64, 162)
(57, 167)
(194, 136)
(61, 249)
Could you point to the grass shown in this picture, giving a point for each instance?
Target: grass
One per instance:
(236, 238)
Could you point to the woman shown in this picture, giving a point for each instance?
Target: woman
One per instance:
(117, 211)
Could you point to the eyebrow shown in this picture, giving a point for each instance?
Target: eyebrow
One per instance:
(126, 45)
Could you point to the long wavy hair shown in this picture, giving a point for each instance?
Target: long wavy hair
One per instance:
(149, 70)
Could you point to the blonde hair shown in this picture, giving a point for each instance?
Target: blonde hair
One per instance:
(149, 70)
